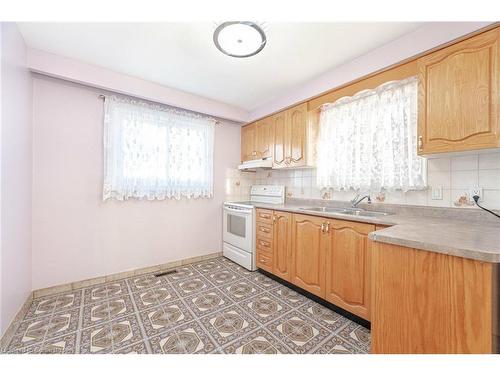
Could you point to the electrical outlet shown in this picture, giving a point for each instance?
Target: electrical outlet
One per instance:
(437, 193)
(476, 191)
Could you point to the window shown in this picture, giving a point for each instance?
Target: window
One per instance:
(156, 152)
(368, 142)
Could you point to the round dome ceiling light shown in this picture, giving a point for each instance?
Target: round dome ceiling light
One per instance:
(239, 38)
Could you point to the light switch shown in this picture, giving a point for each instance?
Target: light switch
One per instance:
(437, 193)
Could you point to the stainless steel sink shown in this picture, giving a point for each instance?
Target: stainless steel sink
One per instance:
(365, 213)
(323, 209)
(346, 211)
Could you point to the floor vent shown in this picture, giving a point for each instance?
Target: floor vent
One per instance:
(166, 273)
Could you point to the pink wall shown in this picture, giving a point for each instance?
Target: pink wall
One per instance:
(77, 236)
(102, 78)
(16, 175)
(423, 39)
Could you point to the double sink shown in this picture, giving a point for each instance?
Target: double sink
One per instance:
(346, 211)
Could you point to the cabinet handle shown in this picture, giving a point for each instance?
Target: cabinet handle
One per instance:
(325, 227)
(274, 218)
(420, 143)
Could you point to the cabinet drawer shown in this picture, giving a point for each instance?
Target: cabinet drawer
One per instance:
(264, 261)
(265, 244)
(264, 230)
(264, 216)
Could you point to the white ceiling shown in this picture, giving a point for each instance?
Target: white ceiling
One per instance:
(183, 56)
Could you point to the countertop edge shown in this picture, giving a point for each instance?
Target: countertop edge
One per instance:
(332, 215)
(436, 248)
(392, 222)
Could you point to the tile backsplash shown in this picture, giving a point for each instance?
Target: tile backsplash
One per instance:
(453, 175)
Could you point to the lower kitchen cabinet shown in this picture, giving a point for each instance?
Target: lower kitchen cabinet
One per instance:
(264, 261)
(417, 301)
(326, 257)
(310, 242)
(264, 240)
(282, 247)
(348, 266)
(424, 302)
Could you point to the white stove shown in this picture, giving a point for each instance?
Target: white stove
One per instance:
(238, 231)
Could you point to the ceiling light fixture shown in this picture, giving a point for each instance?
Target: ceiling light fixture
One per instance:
(240, 38)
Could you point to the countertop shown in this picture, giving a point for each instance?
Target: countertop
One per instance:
(472, 239)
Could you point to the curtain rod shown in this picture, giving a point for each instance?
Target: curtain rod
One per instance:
(217, 122)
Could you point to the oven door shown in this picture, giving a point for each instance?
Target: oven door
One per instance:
(238, 227)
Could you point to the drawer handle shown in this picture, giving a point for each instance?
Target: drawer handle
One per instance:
(264, 243)
(265, 230)
(265, 216)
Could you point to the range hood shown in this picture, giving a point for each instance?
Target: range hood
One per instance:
(252, 165)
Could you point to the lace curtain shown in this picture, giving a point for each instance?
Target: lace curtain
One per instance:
(156, 152)
(367, 142)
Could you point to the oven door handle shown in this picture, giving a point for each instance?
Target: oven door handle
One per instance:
(239, 211)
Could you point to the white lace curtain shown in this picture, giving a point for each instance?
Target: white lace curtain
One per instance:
(156, 152)
(367, 142)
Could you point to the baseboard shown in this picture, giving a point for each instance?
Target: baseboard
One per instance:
(12, 328)
(120, 275)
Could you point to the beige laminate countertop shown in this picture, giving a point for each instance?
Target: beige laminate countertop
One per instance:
(473, 240)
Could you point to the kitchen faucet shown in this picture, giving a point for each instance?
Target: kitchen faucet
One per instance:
(357, 200)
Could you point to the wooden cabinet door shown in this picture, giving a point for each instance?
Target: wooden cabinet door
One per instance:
(309, 245)
(290, 137)
(263, 137)
(425, 302)
(280, 139)
(297, 133)
(458, 105)
(348, 267)
(248, 143)
(282, 247)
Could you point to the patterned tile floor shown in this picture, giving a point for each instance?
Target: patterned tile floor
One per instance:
(213, 306)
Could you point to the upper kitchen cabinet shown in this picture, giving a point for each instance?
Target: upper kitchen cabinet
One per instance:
(257, 140)
(297, 135)
(279, 126)
(291, 137)
(264, 138)
(248, 151)
(459, 96)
